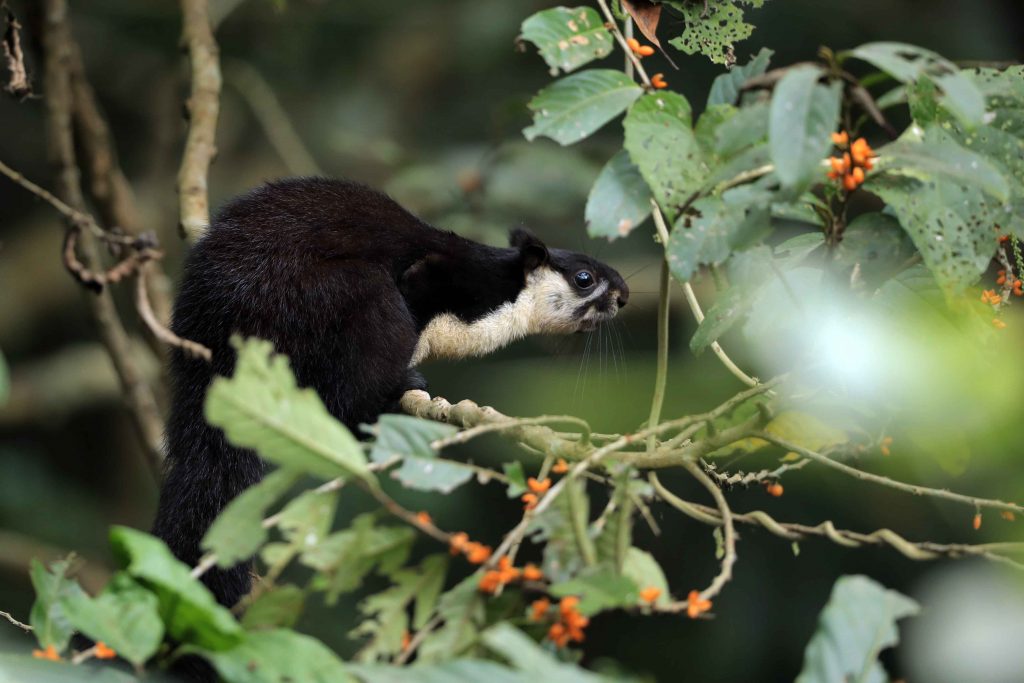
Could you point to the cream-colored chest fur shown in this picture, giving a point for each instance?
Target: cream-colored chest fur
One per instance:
(545, 305)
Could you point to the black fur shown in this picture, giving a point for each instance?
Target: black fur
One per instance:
(341, 279)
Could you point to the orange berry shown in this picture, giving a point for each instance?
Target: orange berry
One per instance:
(838, 164)
(457, 542)
(1007, 515)
(634, 44)
(490, 582)
(650, 594)
(658, 81)
(49, 653)
(858, 175)
(406, 640)
(775, 489)
(1001, 280)
(861, 151)
(103, 652)
(532, 572)
(539, 608)
(506, 571)
(568, 604)
(1004, 238)
(529, 500)
(539, 487)
(645, 50)
(998, 324)
(833, 175)
(696, 605)
(560, 467)
(976, 523)
(850, 183)
(477, 553)
(558, 635)
(424, 518)
(841, 139)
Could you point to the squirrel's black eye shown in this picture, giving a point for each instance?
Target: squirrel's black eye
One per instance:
(584, 279)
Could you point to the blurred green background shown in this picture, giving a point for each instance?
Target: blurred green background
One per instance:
(427, 99)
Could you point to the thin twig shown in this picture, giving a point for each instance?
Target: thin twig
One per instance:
(203, 109)
(24, 627)
(194, 349)
(886, 481)
(661, 370)
(729, 532)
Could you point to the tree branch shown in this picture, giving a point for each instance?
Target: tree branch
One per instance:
(203, 109)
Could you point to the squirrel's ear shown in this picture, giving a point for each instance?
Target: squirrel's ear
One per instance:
(534, 252)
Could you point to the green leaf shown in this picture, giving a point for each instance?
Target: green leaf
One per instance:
(572, 108)
(619, 201)
(276, 656)
(516, 478)
(615, 539)
(728, 309)
(568, 37)
(907, 63)
(238, 531)
(463, 610)
(662, 144)
(710, 234)
(645, 572)
(344, 558)
(279, 607)
(803, 115)
(261, 407)
(713, 34)
(50, 624)
(875, 244)
(727, 87)
(456, 671)
(527, 656)
(598, 591)
(555, 529)
(189, 611)
(26, 669)
(124, 617)
(747, 128)
(409, 439)
(950, 216)
(386, 613)
(858, 622)
(306, 520)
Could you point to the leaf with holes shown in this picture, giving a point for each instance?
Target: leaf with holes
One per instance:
(619, 201)
(711, 233)
(572, 108)
(662, 144)
(726, 88)
(712, 33)
(858, 622)
(568, 37)
(907, 63)
(802, 117)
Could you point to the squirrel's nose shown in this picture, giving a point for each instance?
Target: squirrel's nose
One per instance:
(623, 295)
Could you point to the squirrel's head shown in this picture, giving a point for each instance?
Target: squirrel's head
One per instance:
(571, 292)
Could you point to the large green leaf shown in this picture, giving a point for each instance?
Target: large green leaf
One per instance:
(568, 37)
(238, 531)
(278, 607)
(409, 439)
(936, 154)
(463, 611)
(727, 87)
(189, 611)
(277, 656)
(261, 407)
(950, 213)
(124, 617)
(710, 233)
(907, 63)
(748, 127)
(858, 622)
(662, 144)
(572, 108)
(50, 624)
(803, 115)
(619, 201)
(456, 671)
